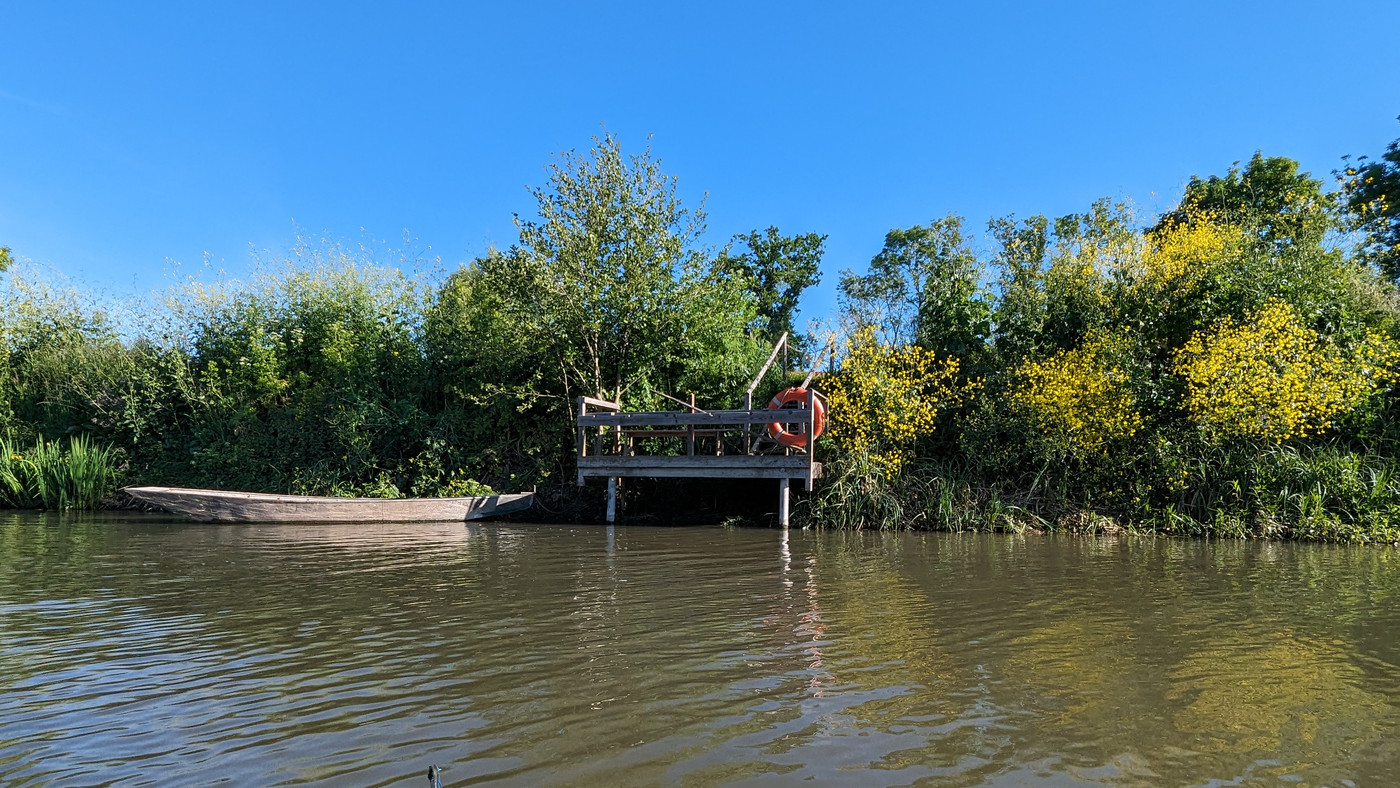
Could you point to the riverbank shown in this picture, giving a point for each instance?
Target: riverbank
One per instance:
(1224, 367)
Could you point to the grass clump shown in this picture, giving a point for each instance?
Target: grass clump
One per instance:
(50, 475)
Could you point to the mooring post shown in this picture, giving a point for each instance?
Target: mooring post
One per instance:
(783, 501)
(612, 499)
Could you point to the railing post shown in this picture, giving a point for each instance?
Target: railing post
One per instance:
(690, 432)
(811, 435)
(748, 428)
(582, 440)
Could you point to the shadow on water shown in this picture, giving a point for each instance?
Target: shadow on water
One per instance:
(135, 649)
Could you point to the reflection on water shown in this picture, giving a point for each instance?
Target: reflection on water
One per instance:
(139, 651)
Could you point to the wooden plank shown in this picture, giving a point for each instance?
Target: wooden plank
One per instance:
(629, 472)
(730, 466)
(600, 403)
(656, 433)
(782, 340)
(700, 460)
(677, 418)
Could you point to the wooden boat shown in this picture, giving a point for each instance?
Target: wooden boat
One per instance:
(221, 506)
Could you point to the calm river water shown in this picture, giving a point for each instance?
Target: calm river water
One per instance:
(136, 652)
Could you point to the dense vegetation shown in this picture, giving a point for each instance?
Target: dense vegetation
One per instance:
(1228, 367)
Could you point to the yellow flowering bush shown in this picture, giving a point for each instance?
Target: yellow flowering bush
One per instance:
(1274, 378)
(886, 397)
(1181, 254)
(1078, 400)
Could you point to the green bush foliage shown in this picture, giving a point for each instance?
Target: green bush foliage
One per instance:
(1227, 367)
(326, 372)
(1119, 348)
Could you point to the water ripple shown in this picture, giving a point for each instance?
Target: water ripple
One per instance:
(159, 654)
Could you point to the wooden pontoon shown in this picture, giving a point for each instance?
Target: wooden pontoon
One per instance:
(221, 506)
(697, 443)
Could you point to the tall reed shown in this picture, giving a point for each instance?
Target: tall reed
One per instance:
(49, 475)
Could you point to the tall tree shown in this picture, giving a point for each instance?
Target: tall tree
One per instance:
(922, 288)
(776, 269)
(609, 289)
(1270, 195)
(1371, 190)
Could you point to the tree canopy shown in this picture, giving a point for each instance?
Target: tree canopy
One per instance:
(1371, 189)
(776, 269)
(922, 288)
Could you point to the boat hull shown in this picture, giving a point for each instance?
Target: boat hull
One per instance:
(222, 506)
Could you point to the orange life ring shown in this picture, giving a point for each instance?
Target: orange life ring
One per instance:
(796, 396)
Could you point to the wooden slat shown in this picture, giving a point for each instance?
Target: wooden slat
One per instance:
(733, 467)
(677, 418)
(701, 460)
(650, 432)
(601, 403)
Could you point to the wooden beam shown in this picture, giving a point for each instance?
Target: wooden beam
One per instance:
(677, 418)
(700, 466)
(629, 472)
(797, 461)
(779, 345)
(830, 345)
(601, 404)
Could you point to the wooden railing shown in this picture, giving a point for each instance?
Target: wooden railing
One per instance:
(737, 444)
(718, 443)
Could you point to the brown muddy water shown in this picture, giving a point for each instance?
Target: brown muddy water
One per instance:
(136, 652)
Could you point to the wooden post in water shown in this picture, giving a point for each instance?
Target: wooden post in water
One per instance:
(612, 499)
(783, 500)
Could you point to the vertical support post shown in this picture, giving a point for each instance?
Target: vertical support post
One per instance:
(582, 438)
(690, 432)
(811, 436)
(748, 428)
(612, 499)
(783, 501)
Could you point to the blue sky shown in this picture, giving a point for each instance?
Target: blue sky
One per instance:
(134, 133)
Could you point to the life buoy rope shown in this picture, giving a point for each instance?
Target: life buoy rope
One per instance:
(796, 397)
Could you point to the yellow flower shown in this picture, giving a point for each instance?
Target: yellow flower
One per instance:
(1078, 400)
(885, 398)
(1274, 378)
